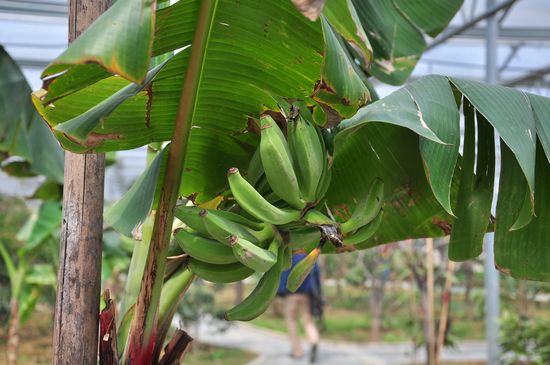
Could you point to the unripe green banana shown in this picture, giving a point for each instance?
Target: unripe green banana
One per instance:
(262, 186)
(204, 249)
(302, 269)
(324, 184)
(255, 168)
(255, 204)
(274, 246)
(224, 228)
(365, 232)
(190, 216)
(308, 155)
(366, 209)
(304, 237)
(262, 295)
(221, 229)
(287, 258)
(239, 219)
(273, 198)
(227, 273)
(277, 163)
(326, 175)
(252, 256)
(313, 216)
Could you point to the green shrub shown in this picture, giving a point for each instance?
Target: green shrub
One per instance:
(525, 341)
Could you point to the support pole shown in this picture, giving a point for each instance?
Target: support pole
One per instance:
(489, 13)
(492, 290)
(76, 324)
(492, 302)
(430, 338)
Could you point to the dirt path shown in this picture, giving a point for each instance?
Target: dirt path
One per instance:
(273, 348)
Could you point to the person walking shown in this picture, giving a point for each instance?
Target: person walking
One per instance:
(300, 305)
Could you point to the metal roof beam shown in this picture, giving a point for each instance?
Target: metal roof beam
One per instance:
(469, 24)
(41, 8)
(509, 33)
(529, 77)
(32, 63)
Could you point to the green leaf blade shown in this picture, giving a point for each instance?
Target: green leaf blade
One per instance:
(131, 210)
(435, 101)
(120, 40)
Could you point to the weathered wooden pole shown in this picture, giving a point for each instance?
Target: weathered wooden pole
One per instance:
(75, 338)
(430, 335)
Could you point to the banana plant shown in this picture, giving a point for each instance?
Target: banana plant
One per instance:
(28, 149)
(29, 280)
(229, 64)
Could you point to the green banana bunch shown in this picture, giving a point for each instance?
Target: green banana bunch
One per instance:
(226, 273)
(252, 256)
(250, 200)
(259, 299)
(366, 209)
(204, 249)
(277, 163)
(302, 269)
(309, 156)
(281, 198)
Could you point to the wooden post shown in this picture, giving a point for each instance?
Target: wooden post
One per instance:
(75, 340)
(445, 307)
(430, 338)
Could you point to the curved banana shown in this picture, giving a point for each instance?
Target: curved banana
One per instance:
(324, 184)
(365, 232)
(287, 258)
(221, 229)
(190, 216)
(227, 273)
(204, 249)
(277, 163)
(304, 237)
(366, 209)
(237, 218)
(262, 295)
(313, 216)
(274, 247)
(255, 257)
(255, 204)
(308, 155)
(262, 186)
(273, 198)
(255, 168)
(302, 269)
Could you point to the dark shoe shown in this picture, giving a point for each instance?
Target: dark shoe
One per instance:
(313, 354)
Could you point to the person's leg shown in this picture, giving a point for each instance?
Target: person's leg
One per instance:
(291, 302)
(309, 325)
